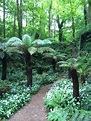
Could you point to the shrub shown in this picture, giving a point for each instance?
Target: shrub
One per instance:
(61, 104)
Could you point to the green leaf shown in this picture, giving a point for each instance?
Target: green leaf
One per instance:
(42, 42)
(1, 45)
(14, 41)
(27, 40)
(43, 49)
(75, 116)
(86, 118)
(32, 50)
(81, 116)
(12, 49)
(63, 64)
(1, 55)
(38, 42)
(47, 41)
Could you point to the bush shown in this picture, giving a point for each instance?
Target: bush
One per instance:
(61, 104)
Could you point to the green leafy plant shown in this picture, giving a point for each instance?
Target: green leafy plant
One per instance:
(28, 45)
(56, 97)
(54, 57)
(19, 94)
(60, 103)
(57, 114)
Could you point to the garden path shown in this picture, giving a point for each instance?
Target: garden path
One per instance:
(34, 110)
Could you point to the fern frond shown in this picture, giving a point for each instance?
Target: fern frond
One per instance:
(27, 41)
(45, 49)
(14, 41)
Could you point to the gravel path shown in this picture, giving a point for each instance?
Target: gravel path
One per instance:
(34, 110)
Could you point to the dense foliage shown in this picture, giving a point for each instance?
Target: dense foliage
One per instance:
(19, 94)
(57, 39)
(42, 16)
(60, 103)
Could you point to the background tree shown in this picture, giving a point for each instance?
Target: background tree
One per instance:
(4, 65)
(49, 18)
(33, 16)
(4, 29)
(60, 26)
(19, 17)
(89, 14)
(85, 12)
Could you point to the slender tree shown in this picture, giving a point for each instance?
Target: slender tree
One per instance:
(4, 67)
(89, 13)
(1, 27)
(85, 12)
(49, 18)
(14, 24)
(73, 32)
(4, 30)
(19, 17)
(60, 26)
(4, 64)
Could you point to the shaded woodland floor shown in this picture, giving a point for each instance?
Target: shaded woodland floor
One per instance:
(34, 110)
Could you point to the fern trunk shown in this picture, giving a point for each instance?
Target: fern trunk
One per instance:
(69, 75)
(4, 67)
(74, 76)
(82, 78)
(28, 68)
(54, 65)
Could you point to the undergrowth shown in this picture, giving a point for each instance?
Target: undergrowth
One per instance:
(61, 104)
(19, 94)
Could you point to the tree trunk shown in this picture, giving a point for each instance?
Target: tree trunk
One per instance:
(60, 25)
(33, 21)
(14, 23)
(49, 19)
(4, 67)
(26, 19)
(73, 44)
(69, 75)
(28, 68)
(74, 76)
(85, 13)
(20, 28)
(4, 64)
(82, 78)
(89, 13)
(73, 28)
(19, 18)
(74, 54)
(4, 30)
(54, 65)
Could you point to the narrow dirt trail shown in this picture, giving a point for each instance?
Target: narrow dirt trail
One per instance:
(34, 110)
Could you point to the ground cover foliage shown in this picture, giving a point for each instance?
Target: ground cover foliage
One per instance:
(61, 104)
(59, 100)
(19, 94)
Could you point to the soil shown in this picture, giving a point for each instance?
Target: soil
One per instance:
(35, 109)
